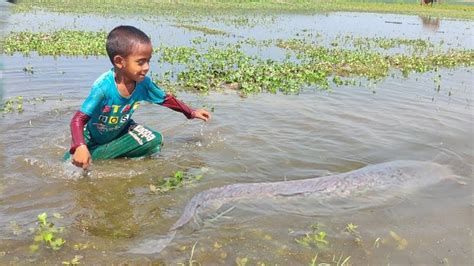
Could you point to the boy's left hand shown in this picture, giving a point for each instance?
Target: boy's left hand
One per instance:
(202, 114)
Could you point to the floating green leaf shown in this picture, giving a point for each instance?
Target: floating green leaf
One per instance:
(47, 233)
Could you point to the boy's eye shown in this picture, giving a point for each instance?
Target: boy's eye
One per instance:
(141, 62)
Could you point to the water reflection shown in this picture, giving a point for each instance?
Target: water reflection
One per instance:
(106, 208)
(122, 206)
(430, 23)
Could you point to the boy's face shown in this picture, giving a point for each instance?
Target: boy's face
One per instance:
(135, 66)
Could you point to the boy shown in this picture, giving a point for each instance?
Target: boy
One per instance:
(110, 132)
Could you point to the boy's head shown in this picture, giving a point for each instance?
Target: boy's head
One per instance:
(122, 39)
(129, 49)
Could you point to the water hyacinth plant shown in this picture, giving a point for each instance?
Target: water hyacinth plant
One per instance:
(346, 61)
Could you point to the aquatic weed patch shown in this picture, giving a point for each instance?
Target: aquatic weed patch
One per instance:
(174, 55)
(317, 66)
(217, 68)
(407, 64)
(378, 43)
(205, 66)
(339, 61)
(12, 105)
(376, 65)
(388, 43)
(15, 104)
(178, 179)
(202, 29)
(62, 42)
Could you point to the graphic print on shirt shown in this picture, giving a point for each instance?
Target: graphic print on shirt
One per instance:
(103, 118)
(126, 109)
(106, 109)
(114, 116)
(124, 118)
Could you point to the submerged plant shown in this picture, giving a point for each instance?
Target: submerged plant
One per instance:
(12, 105)
(241, 261)
(28, 69)
(317, 238)
(179, 178)
(352, 229)
(73, 261)
(340, 262)
(47, 234)
(191, 261)
(402, 243)
(15, 104)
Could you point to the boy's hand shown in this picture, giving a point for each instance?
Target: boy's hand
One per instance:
(202, 114)
(82, 157)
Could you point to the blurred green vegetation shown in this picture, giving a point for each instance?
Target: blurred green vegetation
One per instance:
(451, 9)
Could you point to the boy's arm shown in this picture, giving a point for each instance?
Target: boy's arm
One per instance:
(83, 115)
(158, 96)
(78, 121)
(177, 105)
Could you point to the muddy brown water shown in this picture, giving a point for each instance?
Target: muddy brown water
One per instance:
(261, 138)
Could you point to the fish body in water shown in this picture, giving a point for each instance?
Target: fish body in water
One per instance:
(396, 175)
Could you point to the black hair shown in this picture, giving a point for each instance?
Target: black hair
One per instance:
(122, 39)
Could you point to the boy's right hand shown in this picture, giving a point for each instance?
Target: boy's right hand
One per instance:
(82, 157)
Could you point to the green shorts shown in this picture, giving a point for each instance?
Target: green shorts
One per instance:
(136, 141)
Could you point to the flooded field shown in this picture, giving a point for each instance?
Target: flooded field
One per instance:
(120, 213)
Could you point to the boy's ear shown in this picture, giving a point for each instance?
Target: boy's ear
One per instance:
(119, 61)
